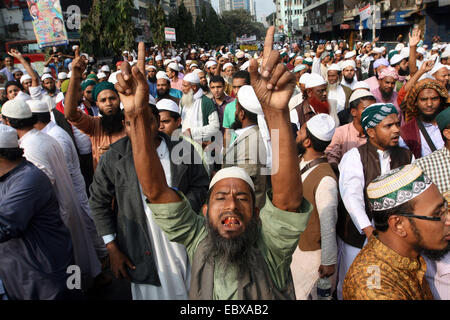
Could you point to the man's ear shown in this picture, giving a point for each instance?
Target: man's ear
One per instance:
(205, 209)
(257, 212)
(446, 133)
(397, 225)
(371, 132)
(353, 112)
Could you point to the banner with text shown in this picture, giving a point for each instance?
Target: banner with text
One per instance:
(48, 22)
(170, 34)
(365, 13)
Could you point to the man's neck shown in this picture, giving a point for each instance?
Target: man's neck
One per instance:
(220, 100)
(358, 127)
(433, 122)
(311, 154)
(400, 247)
(22, 132)
(246, 123)
(40, 125)
(6, 166)
(377, 145)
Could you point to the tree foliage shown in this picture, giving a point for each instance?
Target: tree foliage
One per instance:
(157, 19)
(109, 28)
(240, 22)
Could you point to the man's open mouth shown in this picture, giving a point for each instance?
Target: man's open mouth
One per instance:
(231, 222)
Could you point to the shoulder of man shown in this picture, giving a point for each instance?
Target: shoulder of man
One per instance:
(208, 105)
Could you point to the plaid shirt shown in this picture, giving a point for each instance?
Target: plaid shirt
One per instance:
(436, 166)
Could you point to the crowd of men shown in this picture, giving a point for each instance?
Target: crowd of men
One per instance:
(206, 174)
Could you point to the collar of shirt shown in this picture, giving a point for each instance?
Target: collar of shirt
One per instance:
(227, 99)
(162, 150)
(355, 131)
(48, 127)
(198, 94)
(10, 172)
(30, 133)
(243, 130)
(383, 154)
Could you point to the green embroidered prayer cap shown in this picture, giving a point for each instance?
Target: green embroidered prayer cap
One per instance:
(375, 113)
(443, 119)
(397, 187)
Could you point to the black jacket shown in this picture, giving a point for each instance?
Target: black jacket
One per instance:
(117, 205)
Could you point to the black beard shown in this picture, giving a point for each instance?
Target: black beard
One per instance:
(52, 91)
(239, 251)
(436, 255)
(237, 124)
(205, 88)
(162, 93)
(300, 148)
(402, 72)
(428, 118)
(348, 80)
(386, 96)
(112, 123)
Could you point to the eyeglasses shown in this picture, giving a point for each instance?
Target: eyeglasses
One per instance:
(442, 216)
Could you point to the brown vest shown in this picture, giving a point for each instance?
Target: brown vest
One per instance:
(346, 230)
(304, 112)
(310, 239)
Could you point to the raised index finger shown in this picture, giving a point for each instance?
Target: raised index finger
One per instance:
(141, 57)
(77, 52)
(268, 44)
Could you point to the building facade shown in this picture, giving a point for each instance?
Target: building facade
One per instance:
(289, 17)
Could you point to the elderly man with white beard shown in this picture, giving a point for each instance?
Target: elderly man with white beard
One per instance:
(337, 94)
(199, 116)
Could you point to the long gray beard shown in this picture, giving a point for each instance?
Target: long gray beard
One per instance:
(332, 87)
(187, 100)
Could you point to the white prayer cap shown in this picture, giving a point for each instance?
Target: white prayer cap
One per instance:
(101, 75)
(16, 70)
(16, 109)
(38, 106)
(399, 47)
(348, 63)
(315, 80)
(291, 55)
(350, 55)
(105, 69)
(383, 49)
(245, 65)
(248, 100)
(338, 52)
(69, 74)
(158, 58)
(202, 55)
(69, 66)
(167, 61)
(377, 50)
(168, 105)
(240, 54)
(366, 44)
(151, 100)
(210, 64)
(334, 67)
(232, 172)
(25, 77)
(62, 76)
(46, 76)
(361, 85)
(396, 58)
(304, 78)
(361, 93)
(113, 77)
(435, 47)
(197, 71)
(298, 58)
(299, 68)
(405, 52)
(178, 58)
(162, 75)
(226, 65)
(8, 137)
(125, 52)
(193, 51)
(192, 78)
(328, 48)
(436, 68)
(174, 66)
(194, 65)
(322, 126)
(47, 70)
(422, 51)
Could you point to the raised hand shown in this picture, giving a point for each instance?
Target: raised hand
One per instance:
(79, 63)
(15, 53)
(426, 66)
(132, 86)
(275, 84)
(414, 37)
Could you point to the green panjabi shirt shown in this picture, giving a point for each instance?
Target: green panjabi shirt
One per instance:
(279, 235)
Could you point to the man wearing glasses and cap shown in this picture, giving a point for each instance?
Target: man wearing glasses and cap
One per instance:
(411, 219)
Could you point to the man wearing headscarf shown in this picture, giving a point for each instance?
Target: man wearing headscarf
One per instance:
(104, 130)
(424, 102)
(436, 166)
(411, 219)
(385, 93)
(378, 66)
(358, 167)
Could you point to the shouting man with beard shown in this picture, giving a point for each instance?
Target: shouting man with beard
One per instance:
(104, 130)
(411, 219)
(236, 250)
(314, 99)
(424, 102)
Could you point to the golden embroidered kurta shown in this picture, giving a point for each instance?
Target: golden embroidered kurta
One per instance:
(379, 273)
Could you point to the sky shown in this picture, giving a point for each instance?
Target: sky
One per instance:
(263, 7)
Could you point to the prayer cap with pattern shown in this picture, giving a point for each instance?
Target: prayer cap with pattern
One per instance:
(375, 113)
(397, 187)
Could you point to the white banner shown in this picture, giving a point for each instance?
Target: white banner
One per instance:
(365, 13)
(245, 39)
(170, 34)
